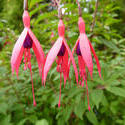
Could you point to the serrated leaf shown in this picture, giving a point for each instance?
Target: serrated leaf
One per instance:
(3, 108)
(110, 45)
(97, 97)
(92, 118)
(117, 91)
(67, 112)
(6, 120)
(22, 122)
(79, 109)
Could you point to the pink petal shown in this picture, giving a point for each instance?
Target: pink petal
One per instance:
(73, 51)
(72, 54)
(51, 57)
(81, 66)
(73, 61)
(17, 65)
(96, 59)
(75, 46)
(65, 67)
(38, 51)
(43, 71)
(59, 62)
(16, 55)
(83, 81)
(82, 70)
(86, 53)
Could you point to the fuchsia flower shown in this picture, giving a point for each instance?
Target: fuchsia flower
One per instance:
(26, 41)
(61, 50)
(83, 49)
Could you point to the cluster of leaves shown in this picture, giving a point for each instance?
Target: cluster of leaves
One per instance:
(107, 96)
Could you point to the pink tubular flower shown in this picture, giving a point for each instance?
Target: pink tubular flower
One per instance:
(83, 49)
(26, 41)
(61, 50)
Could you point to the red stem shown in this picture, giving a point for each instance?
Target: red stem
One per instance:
(80, 10)
(29, 66)
(60, 89)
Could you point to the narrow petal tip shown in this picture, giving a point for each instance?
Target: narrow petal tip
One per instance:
(64, 84)
(59, 105)
(34, 103)
(42, 81)
(91, 74)
(100, 76)
(82, 83)
(89, 108)
(96, 59)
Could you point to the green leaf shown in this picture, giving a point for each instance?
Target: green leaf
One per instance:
(97, 96)
(92, 118)
(33, 118)
(117, 91)
(3, 108)
(22, 122)
(110, 44)
(42, 122)
(79, 110)
(6, 120)
(34, 2)
(67, 112)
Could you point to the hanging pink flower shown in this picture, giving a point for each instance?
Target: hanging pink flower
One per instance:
(61, 50)
(83, 49)
(26, 41)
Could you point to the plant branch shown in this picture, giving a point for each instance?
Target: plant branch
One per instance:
(80, 10)
(25, 4)
(94, 17)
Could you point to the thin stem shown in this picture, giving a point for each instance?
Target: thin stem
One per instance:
(25, 4)
(94, 17)
(34, 102)
(80, 10)
(60, 89)
(29, 66)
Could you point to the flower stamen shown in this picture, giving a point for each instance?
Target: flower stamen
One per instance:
(27, 61)
(59, 103)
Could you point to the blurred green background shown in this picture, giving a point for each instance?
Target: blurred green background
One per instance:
(107, 96)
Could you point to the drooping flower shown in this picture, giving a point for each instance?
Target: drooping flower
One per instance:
(60, 50)
(26, 41)
(83, 49)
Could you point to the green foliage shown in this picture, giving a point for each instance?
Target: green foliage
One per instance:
(107, 95)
